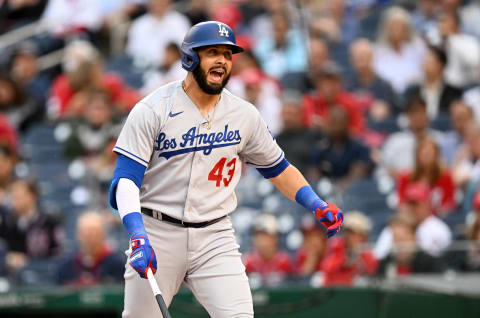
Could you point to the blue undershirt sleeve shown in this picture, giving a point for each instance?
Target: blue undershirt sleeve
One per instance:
(274, 171)
(125, 168)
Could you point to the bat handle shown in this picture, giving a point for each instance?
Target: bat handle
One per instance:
(158, 294)
(153, 282)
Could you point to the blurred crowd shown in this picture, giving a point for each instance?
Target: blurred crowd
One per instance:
(356, 92)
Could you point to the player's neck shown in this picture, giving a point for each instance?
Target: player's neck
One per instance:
(204, 102)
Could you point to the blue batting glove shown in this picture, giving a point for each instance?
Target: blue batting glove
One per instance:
(326, 213)
(143, 256)
(329, 215)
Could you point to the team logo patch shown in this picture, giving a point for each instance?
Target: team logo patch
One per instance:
(192, 141)
(222, 30)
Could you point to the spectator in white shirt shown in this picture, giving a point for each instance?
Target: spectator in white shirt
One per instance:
(437, 94)
(467, 167)
(432, 234)
(471, 97)
(122, 7)
(63, 17)
(453, 143)
(470, 16)
(463, 51)
(171, 70)
(257, 88)
(399, 53)
(425, 15)
(152, 32)
(398, 152)
(285, 52)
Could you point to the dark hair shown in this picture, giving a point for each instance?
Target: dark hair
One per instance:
(19, 95)
(418, 171)
(414, 102)
(439, 54)
(6, 150)
(174, 47)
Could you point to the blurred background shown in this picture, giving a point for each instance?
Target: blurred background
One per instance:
(377, 102)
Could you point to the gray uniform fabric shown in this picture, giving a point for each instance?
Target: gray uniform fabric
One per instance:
(192, 167)
(206, 260)
(167, 133)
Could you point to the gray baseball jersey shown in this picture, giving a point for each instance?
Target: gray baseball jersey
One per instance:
(193, 164)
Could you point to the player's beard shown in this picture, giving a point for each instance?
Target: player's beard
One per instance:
(201, 77)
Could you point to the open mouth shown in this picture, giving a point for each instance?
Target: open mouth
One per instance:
(217, 74)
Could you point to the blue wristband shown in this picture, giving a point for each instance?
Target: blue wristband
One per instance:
(311, 201)
(133, 222)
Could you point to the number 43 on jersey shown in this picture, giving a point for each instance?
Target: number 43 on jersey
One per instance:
(216, 174)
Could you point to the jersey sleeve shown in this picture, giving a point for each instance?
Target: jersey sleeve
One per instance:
(136, 140)
(262, 151)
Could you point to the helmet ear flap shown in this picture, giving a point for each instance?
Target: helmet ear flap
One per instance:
(190, 59)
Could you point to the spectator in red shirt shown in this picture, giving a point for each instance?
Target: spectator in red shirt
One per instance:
(267, 261)
(348, 258)
(8, 134)
(429, 170)
(309, 257)
(329, 94)
(84, 71)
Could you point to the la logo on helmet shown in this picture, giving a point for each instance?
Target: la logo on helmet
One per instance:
(222, 30)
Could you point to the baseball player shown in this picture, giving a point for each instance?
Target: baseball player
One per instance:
(179, 160)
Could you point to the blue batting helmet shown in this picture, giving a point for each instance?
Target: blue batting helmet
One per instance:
(204, 34)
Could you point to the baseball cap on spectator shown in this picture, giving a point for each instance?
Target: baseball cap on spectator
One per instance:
(357, 222)
(417, 192)
(244, 40)
(267, 223)
(251, 77)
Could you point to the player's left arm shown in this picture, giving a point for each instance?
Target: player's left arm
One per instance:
(293, 185)
(263, 153)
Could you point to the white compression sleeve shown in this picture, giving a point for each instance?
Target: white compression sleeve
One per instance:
(128, 197)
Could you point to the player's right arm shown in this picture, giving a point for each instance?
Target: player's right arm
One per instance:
(134, 147)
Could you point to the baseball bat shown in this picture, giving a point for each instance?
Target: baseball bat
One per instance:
(158, 294)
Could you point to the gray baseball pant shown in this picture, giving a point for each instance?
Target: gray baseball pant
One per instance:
(206, 259)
